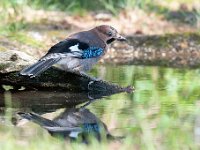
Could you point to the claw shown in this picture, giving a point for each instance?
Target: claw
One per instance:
(91, 82)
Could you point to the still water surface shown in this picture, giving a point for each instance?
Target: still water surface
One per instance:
(164, 109)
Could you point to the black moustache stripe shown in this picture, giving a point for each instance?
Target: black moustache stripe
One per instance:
(110, 41)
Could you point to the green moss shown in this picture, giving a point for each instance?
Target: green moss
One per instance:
(195, 37)
(4, 66)
(166, 40)
(157, 41)
(23, 38)
(2, 48)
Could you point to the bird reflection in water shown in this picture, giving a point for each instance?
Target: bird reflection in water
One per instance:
(75, 124)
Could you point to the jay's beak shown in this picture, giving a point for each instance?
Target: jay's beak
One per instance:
(120, 38)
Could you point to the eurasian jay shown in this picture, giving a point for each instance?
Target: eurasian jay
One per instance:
(78, 52)
(72, 123)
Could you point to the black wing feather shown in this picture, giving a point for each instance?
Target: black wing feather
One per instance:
(39, 67)
(63, 46)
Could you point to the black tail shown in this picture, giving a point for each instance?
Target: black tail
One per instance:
(49, 125)
(38, 119)
(38, 67)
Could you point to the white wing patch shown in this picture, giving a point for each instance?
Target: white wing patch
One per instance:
(74, 48)
(74, 134)
(75, 51)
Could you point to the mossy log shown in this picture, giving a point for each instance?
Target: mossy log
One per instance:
(55, 79)
(171, 50)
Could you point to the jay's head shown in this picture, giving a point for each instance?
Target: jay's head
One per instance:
(108, 34)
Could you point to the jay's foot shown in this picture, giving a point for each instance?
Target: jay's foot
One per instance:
(93, 78)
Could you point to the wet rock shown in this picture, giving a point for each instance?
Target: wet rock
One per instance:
(12, 60)
(56, 79)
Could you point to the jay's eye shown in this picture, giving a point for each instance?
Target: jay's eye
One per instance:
(109, 33)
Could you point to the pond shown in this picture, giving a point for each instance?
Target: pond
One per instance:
(162, 112)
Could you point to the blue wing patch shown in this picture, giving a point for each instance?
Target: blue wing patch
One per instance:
(92, 52)
(91, 127)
